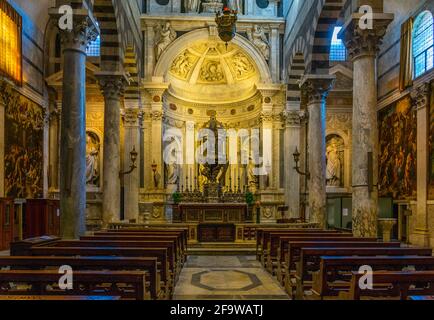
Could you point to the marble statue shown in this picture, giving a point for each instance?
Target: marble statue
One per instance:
(165, 36)
(236, 5)
(92, 159)
(258, 38)
(172, 168)
(334, 164)
(192, 6)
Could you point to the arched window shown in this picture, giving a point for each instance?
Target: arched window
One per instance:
(94, 48)
(423, 33)
(338, 52)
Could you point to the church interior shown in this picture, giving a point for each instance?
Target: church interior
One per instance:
(216, 149)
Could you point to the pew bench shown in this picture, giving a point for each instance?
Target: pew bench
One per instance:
(147, 265)
(334, 275)
(129, 285)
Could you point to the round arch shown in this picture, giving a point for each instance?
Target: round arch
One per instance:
(183, 42)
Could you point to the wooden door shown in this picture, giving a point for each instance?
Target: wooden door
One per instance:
(6, 223)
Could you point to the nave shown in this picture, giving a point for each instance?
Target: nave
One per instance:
(154, 264)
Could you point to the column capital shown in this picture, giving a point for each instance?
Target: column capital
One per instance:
(131, 117)
(84, 28)
(291, 118)
(364, 41)
(421, 95)
(316, 87)
(112, 84)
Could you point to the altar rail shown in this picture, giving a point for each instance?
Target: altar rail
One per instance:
(245, 232)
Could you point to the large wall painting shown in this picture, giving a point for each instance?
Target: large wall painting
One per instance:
(398, 146)
(24, 124)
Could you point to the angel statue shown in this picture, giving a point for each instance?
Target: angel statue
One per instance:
(165, 36)
(258, 38)
(236, 5)
(192, 6)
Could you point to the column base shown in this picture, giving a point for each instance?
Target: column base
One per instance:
(421, 237)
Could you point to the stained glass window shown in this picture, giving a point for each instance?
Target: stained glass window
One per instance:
(10, 42)
(94, 48)
(423, 33)
(338, 52)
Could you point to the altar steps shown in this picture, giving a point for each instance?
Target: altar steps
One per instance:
(221, 249)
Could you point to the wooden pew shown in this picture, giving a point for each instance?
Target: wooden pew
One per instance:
(263, 235)
(271, 257)
(159, 253)
(292, 255)
(171, 251)
(310, 260)
(334, 275)
(392, 285)
(180, 252)
(148, 265)
(129, 285)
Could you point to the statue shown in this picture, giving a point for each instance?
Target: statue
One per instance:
(172, 168)
(92, 159)
(334, 164)
(192, 6)
(166, 35)
(236, 5)
(258, 38)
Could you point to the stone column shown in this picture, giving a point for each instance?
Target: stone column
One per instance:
(73, 123)
(54, 149)
(363, 45)
(316, 88)
(131, 181)
(421, 98)
(275, 53)
(292, 178)
(112, 86)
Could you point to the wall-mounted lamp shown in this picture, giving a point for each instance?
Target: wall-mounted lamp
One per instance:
(297, 167)
(133, 159)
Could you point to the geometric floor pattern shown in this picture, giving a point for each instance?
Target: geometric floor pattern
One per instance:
(226, 278)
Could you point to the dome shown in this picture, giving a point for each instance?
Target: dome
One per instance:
(208, 72)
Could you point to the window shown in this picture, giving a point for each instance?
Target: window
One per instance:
(10, 43)
(94, 48)
(423, 43)
(338, 52)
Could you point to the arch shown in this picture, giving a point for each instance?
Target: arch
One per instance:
(422, 43)
(183, 42)
(112, 50)
(328, 14)
(297, 70)
(132, 92)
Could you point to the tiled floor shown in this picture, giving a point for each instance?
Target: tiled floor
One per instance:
(226, 278)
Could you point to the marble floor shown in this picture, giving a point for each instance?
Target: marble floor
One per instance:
(226, 278)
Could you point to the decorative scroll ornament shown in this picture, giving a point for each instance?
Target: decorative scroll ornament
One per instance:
(227, 24)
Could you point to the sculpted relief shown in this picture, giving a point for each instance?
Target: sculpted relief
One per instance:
(164, 37)
(183, 64)
(241, 65)
(211, 72)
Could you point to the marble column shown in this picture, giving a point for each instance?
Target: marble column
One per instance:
(54, 149)
(73, 123)
(316, 88)
(131, 181)
(363, 46)
(421, 98)
(112, 86)
(292, 178)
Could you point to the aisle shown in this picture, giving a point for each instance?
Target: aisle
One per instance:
(226, 278)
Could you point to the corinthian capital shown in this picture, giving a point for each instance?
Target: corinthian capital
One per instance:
(291, 118)
(316, 87)
(112, 84)
(131, 117)
(84, 28)
(420, 96)
(365, 41)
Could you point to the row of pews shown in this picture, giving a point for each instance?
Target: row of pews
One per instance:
(314, 264)
(122, 264)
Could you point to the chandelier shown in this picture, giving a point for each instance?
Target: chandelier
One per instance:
(227, 24)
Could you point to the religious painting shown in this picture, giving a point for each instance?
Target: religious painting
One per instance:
(335, 152)
(24, 122)
(93, 172)
(431, 145)
(398, 146)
